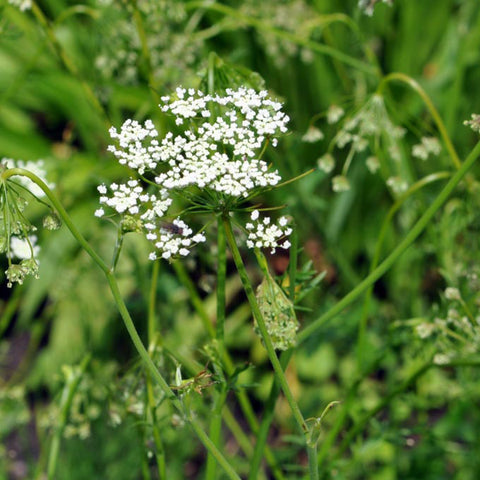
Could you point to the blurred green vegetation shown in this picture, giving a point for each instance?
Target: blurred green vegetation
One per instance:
(409, 402)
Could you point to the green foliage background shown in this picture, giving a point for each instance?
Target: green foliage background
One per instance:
(401, 416)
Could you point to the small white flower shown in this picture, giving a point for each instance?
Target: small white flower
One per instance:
(452, 293)
(340, 184)
(373, 164)
(334, 114)
(312, 135)
(473, 123)
(326, 163)
(397, 184)
(428, 145)
(265, 234)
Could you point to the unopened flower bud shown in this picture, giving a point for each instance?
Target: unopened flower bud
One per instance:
(340, 183)
(15, 274)
(52, 221)
(131, 224)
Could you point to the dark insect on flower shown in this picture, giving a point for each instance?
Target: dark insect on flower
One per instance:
(171, 228)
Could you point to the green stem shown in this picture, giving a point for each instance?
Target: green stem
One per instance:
(221, 281)
(279, 373)
(151, 404)
(416, 230)
(220, 397)
(401, 77)
(153, 331)
(159, 450)
(291, 37)
(65, 404)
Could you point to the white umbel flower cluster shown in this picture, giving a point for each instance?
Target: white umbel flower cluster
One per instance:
(217, 150)
(262, 233)
(220, 154)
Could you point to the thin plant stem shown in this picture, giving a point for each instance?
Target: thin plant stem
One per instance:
(283, 34)
(66, 399)
(216, 421)
(124, 313)
(153, 335)
(261, 325)
(412, 235)
(152, 330)
(211, 447)
(269, 409)
(221, 281)
(159, 450)
(414, 85)
(279, 373)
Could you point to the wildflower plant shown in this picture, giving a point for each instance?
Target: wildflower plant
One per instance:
(197, 171)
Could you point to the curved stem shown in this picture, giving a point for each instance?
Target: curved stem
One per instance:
(417, 229)
(291, 37)
(61, 212)
(414, 85)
